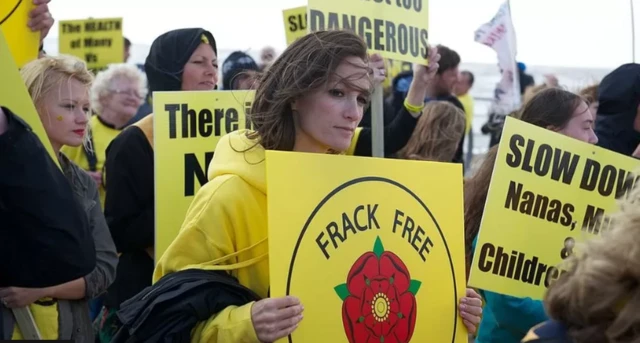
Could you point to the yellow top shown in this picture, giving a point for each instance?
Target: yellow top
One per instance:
(467, 102)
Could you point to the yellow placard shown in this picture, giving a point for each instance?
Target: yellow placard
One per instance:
(186, 130)
(295, 26)
(295, 23)
(372, 248)
(99, 42)
(547, 192)
(396, 29)
(23, 43)
(14, 96)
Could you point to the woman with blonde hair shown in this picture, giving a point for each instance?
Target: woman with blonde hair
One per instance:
(59, 88)
(116, 95)
(597, 298)
(437, 133)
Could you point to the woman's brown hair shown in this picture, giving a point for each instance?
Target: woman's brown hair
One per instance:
(552, 107)
(304, 67)
(475, 195)
(590, 93)
(437, 133)
(598, 296)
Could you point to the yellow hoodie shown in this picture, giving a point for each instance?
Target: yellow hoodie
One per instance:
(226, 229)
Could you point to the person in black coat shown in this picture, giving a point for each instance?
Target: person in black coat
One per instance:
(184, 59)
(617, 121)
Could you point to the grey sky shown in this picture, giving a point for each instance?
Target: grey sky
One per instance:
(570, 33)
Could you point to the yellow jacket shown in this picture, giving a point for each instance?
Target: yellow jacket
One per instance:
(226, 229)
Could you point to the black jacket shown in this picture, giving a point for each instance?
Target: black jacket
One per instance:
(168, 310)
(619, 97)
(129, 203)
(45, 236)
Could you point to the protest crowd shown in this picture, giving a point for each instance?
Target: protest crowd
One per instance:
(78, 233)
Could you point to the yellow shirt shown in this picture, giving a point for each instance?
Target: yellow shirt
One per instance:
(101, 136)
(467, 102)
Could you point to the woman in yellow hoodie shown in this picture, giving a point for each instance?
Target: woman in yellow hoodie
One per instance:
(310, 100)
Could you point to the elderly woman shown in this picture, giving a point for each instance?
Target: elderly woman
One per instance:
(116, 95)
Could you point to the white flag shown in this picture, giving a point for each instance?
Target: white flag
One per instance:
(500, 35)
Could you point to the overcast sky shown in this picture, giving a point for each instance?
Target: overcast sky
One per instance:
(570, 33)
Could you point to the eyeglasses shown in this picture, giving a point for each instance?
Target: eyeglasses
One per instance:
(129, 92)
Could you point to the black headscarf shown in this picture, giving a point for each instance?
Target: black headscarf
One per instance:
(168, 55)
(618, 97)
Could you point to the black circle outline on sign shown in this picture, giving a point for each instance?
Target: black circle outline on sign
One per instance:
(399, 185)
(11, 12)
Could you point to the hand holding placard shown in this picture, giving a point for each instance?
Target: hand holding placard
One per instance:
(40, 18)
(275, 318)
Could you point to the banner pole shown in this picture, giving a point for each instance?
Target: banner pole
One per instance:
(377, 122)
(633, 33)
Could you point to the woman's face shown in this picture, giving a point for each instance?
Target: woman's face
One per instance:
(327, 118)
(201, 71)
(580, 126)
(64, 112)
(123, 98)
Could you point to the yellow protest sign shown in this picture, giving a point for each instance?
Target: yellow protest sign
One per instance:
(99, 42)
(373, 249)
(186, 130)
(396, 29)
(295, 23)
(23, 43)
(547, 192)
(295, 26)
(14, 96)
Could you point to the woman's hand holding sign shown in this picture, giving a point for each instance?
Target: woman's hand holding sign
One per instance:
(40, 18)
(275, 318)
(422, 77)
(471, 310)
(376, 63)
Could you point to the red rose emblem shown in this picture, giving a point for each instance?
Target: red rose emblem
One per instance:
(379, 304)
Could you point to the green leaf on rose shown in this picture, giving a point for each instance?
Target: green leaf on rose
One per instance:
(378, 249)
(342, 291)
(414, 286)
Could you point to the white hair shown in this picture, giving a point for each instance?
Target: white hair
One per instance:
(102, 83)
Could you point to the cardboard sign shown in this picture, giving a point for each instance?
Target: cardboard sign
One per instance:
(548, 192)
(373, 249)
(186, 130)
(14, 96)
(295, 23)
(99, 42)
(396, 30)
(23, 43)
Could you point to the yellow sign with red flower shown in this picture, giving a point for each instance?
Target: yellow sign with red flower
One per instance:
(370, 247)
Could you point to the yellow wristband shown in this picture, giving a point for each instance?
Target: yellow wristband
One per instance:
(413, 108)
